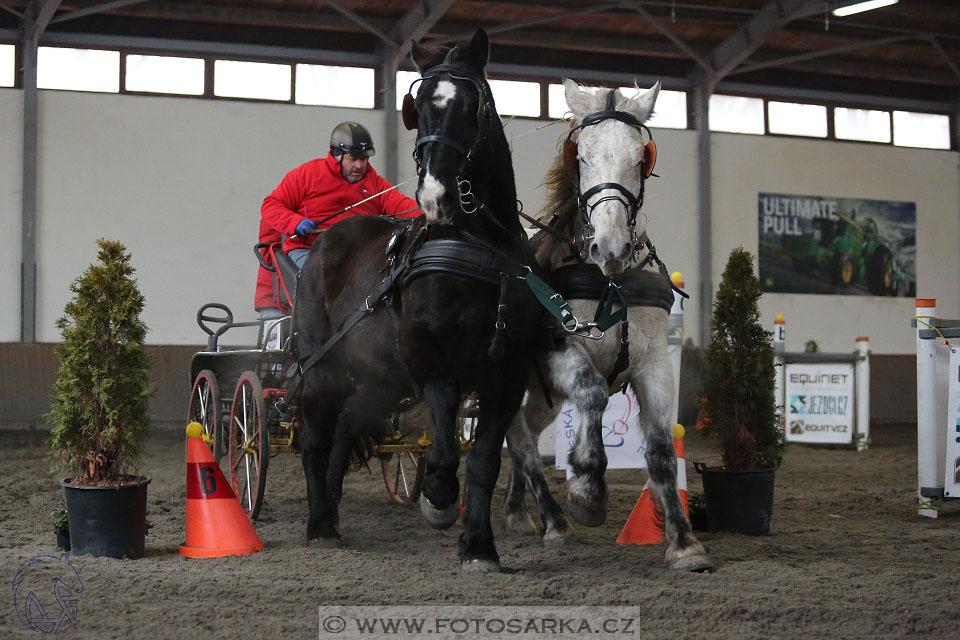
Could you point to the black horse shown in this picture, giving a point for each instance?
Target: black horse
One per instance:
(438, 309)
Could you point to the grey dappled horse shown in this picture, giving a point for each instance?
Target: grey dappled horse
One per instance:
(596, 190)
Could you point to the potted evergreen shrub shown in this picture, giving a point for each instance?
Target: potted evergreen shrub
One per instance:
(739, 406)
(100, 412)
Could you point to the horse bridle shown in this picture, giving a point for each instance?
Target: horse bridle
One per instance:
(411, 120)
(631, 203)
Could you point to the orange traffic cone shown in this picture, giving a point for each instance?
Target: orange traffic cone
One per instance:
(645, 524)
(216, 523)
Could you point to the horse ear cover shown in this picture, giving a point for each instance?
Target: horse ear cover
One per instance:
(411, 119)
(649, 158)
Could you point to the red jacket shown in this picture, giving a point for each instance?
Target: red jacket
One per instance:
(317, 189)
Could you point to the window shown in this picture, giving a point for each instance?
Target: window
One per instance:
(736, 114)
(514, 98)
(556, 101)
(670, 111)
(259, 80)
(862, 124)
(928, 130)
(165, 74)
(78, 69)
(796, 119)
(7, 58)
(335, 86)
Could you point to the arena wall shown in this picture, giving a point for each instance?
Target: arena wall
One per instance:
(179, 181)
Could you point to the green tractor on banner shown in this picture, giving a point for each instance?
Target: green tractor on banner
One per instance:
(848, 251)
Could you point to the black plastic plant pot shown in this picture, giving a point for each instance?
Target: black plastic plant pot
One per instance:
(738, 501)
(63, 540)
(108, 521)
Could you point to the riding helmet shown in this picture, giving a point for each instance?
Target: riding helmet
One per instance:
(352, 138)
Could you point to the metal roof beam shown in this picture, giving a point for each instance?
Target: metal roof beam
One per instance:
(39, 14)
(13, 11)
(751, 35)
(943, 54)
(336, 6)
(674, 39)
(414, 25)
(520, 24)
(99, 8)
(853, 46)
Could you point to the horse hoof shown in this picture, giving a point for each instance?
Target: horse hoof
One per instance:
(558, 539)
(589, 516)
(438, 518)
(326, 543)
(697, 563)
(479, 567)
(520, 522)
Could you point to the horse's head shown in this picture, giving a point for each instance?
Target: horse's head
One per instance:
(613, 155)
(452, 113)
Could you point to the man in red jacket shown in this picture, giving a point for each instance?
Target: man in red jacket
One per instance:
(324, 186)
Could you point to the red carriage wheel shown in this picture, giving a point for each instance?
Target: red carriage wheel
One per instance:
(205, 409)
(403, 475)
(248, 444)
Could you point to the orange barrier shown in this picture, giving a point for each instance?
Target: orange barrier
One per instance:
(645, 524)
(216, 523)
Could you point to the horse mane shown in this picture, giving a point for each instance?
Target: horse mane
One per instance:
(560, 208)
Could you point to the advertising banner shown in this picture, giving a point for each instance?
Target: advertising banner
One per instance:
(623, 442)
(844, 246)
(819, 403)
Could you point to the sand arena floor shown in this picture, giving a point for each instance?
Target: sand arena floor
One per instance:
(847, 557)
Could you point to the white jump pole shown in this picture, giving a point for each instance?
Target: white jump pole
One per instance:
(675, 343)
(927, 430)
(862, 393)
(779, 346)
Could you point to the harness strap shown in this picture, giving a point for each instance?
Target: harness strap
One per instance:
(497, 344)
(549, 230)
(623, 356)
(551, 301)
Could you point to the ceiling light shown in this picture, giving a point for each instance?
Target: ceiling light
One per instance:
(862, 6)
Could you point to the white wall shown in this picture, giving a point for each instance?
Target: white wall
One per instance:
(180, 182)
(745, 165)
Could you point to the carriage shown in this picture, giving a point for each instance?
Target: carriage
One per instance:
(235, 398)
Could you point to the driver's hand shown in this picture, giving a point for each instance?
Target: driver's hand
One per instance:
(306, 225)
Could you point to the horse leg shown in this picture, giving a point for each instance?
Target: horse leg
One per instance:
(362, 416)
(655, 390)
(573, 373)
(527, 470)
(440, 503)
(315, 446)
(499, 402)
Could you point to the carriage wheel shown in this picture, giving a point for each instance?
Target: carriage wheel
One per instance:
(403, 475)
(249, 444)
(205, 409)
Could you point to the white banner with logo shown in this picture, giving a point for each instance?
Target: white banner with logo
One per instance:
(819, 403)
(623, 441)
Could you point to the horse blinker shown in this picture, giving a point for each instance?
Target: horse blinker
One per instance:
(411, 119)
(649, 158)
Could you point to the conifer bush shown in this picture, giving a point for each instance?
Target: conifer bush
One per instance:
(100, 407)
(739, 399)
